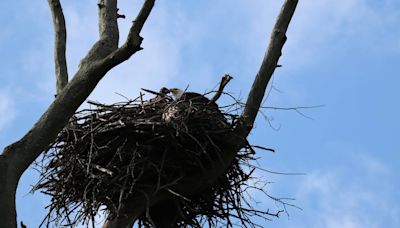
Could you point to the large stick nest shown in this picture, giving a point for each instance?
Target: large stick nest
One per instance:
(110, 153)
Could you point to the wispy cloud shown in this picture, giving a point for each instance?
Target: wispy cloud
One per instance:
(333, 198)
(320, 30)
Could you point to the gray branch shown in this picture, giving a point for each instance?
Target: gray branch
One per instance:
(224, 81)
(60, 39)
(131, 44)
(108, 26)
(269, 63)
(17, 157)
(108, 33)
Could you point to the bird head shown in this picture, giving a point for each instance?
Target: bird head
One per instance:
(164, 91)
(176, 93)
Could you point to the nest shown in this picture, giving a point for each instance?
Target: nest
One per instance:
(109, 153)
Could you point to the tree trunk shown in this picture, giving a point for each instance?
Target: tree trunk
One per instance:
(8, 186)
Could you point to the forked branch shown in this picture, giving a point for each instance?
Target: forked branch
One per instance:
(133, 41)
(60, 40)
(23, 152)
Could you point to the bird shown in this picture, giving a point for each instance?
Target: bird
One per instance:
(196, 98)
(161, 99)
(163, 92)
(197, 105)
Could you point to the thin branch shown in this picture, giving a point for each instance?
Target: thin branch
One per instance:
(60, 40)
(224, 81)
(292, 108)
(296, 109)
(270, 62)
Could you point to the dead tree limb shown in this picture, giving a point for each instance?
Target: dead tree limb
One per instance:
(224, 81)
(108, 26)
(130, 46)
(17, 157)
(269, 63)
(60, 40)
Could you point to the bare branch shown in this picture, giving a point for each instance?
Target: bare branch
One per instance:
(108, 32)
(60, 40)
(133, 41)
(224, 81)
(270, 62)
(23, 152)
(108, 26)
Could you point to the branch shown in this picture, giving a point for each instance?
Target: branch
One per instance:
(23, 152)
(224, 81)
(59, 44)
(270, 61)
(131, 45)
(133, 41)
(108, 26)
(108, 32)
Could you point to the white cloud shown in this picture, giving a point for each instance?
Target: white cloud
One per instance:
(332, 199)
(321, 26)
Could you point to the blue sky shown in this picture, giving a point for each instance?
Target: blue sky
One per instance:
(342, 54)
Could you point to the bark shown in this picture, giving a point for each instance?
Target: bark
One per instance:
(60, 40)
(224, 81)
(103, 56)
(108, 26)
(8, 189)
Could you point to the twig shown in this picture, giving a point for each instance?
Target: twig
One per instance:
(151, 91)
(224, 81)
(263, 148)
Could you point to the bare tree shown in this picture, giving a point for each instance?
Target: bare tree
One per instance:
(102, 57)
